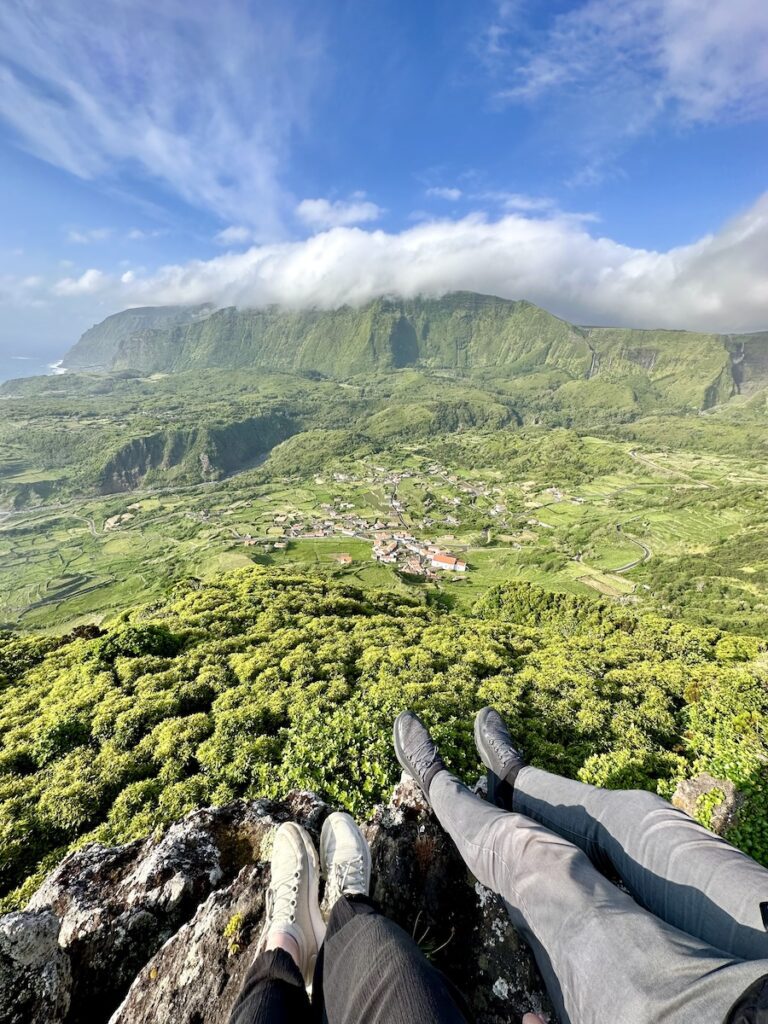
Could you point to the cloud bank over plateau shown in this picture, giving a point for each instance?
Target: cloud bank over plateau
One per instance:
(718, 283)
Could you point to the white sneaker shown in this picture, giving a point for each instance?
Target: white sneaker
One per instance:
(345, 858)
(292, 903)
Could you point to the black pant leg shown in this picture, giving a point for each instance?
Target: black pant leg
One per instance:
(372, 972)
(273, 992)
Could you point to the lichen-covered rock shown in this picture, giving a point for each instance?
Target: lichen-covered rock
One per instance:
(719, 797)
(197, 974)
(163, 931)
(35, 976)
(119, 905)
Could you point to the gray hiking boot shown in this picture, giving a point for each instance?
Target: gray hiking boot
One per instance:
(416, 750)
(494, 745)
(292, 905)
(345, 859)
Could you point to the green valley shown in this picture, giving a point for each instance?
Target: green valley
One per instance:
(208, 548)
(116, 485)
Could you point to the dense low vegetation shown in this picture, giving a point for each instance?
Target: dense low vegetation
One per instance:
(266, 679)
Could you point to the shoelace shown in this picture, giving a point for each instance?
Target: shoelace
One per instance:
(424, 756)
(281, 899)
(503, 748)
(349, 875)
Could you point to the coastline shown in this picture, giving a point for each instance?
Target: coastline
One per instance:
(13, 367)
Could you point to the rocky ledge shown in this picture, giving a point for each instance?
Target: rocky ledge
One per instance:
(163, 930)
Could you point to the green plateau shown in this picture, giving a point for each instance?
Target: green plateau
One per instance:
(461, 331)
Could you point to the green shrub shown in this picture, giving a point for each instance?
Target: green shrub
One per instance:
(285, 680)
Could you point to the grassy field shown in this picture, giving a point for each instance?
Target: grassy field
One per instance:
(67, 562)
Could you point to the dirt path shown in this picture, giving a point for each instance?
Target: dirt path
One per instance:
(666, 470)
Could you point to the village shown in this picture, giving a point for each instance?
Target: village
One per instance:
(390, 536)
(410, 517)
(391, 543)
(415, 557)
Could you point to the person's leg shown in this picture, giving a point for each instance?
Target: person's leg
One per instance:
(603, 958)
(673, 866)
(273, 992)
(369, 969)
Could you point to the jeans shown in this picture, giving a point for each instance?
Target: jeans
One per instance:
(369, 971)
(681, 949)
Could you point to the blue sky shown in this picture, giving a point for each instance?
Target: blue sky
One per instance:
(606, 159)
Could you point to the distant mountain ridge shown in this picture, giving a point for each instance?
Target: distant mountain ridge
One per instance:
(462, 331)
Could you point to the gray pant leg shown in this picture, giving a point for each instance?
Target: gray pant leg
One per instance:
(673, 866)
(603, 958)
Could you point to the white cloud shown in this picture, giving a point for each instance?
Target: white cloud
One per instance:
(444, 193)
(717, 283)
(21, 291)
(88, 235)
(323, 213)
(518, 201)
(89, 282)
(140, 235)
(204, 103)
(635, 60)
(235, 234)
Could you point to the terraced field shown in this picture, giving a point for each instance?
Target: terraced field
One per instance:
(84, 560)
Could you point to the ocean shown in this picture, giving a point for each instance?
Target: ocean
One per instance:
(27, 366)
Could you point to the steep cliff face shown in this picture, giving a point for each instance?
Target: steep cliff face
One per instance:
(162, 931)
(463, 331)
(200, 453)
(749, 361)
(98, 348)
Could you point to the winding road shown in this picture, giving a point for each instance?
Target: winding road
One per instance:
(646, 555)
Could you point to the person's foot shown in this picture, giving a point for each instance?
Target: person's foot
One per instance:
(416, 750)
(497, 752)
(345, 859)
(293, 910)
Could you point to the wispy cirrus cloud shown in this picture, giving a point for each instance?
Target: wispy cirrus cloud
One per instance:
(715, 284)
(326, 213)
(440, 192)
(144, 234)
(520, 201)
(201, 101)
(235, 234)
(614, 69)
(22, 290)
(88, 235)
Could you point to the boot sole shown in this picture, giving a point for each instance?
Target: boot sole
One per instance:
(403, 760)
(482, 750)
